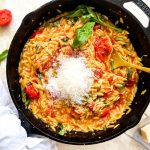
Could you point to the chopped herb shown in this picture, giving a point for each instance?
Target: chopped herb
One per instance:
(3, 55)
(39, 75)
(73, 20)
(143, 57)
(112, 65)
(40, 23)
(119, 39)
(82, 34)
(122, 85)
(24, 99)
(116, 22)
(52, 24)
(23, 95)
(129, 73)
(105, 17)
(121, 20)
(59, 11)
(36, 47)
(56, 24)
(62, 130)
(26, 103)
(104, 128)
(143, 92)
(47, 24)
(65, 39)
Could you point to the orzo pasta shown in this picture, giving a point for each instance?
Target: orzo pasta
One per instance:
(67, 75)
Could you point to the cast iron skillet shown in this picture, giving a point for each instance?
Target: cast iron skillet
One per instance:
(140, 38)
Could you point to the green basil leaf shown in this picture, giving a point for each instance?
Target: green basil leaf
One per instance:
(62, 130)
(86, 18)
(3, 55)
(82, 34)
(87, 14)
(81, 7)
(103, 23)
(91, 12)
(129, 73)
(36, 47)
(78, 13)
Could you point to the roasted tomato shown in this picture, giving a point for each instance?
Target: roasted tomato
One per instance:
(119, 102)
(105, 112)
(98, 72)
(130, 83)
(31, 92)
(103, 48)
(46, 65)
(36, 32)
(110, 79)
(108, 94)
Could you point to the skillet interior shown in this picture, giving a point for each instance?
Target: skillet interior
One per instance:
(138, 38)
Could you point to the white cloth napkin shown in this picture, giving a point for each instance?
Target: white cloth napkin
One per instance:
(12, 135)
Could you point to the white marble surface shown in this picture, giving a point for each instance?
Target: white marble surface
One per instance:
(131, 140)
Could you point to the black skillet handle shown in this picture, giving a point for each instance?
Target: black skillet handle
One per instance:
(143, 7)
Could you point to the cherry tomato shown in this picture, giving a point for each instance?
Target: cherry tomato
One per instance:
(5, 17)
(46, 65)
(105, 112)
(110, 79)
(106, 95)
(100, 55)
(130, 83)
(36, 33)
(98, 72)
(119, 102)
(102, 48)
(31, 92)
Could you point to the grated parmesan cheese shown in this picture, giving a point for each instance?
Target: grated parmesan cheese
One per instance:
(73, 80)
